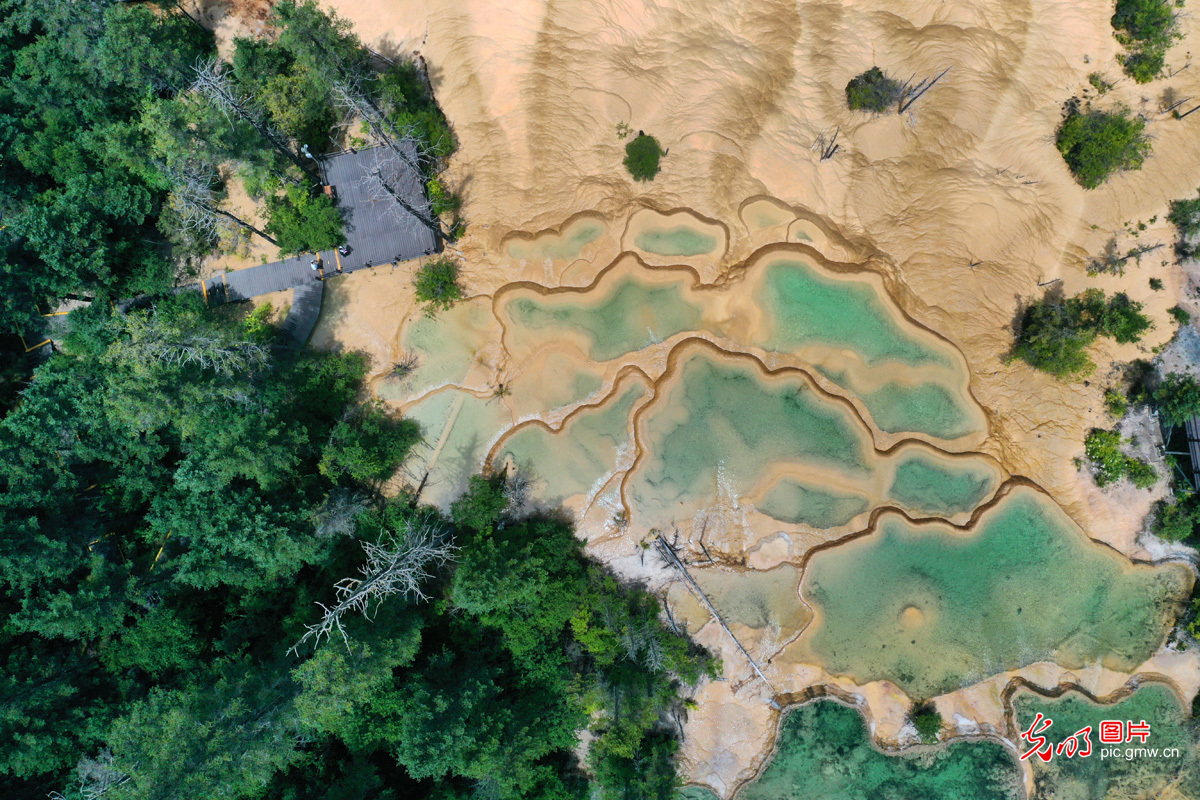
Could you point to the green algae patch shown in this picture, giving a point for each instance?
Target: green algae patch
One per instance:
(680, 240)
(933, 609)
(824, 752)
(805, 308)
(926, 408)
(564, 246)
(696, 793)
(1126, 773)
(444, 348)
(795, 502)
(938, 486)
(571, 461)
(723, 419)
(631, 316)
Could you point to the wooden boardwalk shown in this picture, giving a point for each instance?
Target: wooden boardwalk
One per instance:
(1192, 426)
(375, 235)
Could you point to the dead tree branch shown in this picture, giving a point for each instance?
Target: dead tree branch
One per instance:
(396, 565)
(911, 94)
(213, 84)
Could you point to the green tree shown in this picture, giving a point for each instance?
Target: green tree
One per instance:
(1056, 332)
(1175, 520)
(642, 155)
(1177, 398)
(872, 91)
(1096, 144)
(1147, 28)
(436, 284)
(304, 222)
(368, 445)
(927, 720)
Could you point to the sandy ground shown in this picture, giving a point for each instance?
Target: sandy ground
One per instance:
(963, 204)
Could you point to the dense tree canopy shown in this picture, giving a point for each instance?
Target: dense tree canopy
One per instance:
(176, 497)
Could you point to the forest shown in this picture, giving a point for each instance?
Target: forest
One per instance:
(211, 586)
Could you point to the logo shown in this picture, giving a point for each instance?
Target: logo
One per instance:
(1110, 732)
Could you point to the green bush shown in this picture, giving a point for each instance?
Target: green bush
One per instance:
(1141, 474)
(1096, 144)
(1115, 403)
(368, 446)
(641, 157)
(928, 721)
(437, 284)
(1180, 315)
(1146, 28)
(873, 91)
(1177, 398)
(1103, 451)
(441, 199)
(1156, 284)
(1099, 83)
(1176, 520)
(304, 221)
(1185, 216)
(258, 324)
(1056, 332)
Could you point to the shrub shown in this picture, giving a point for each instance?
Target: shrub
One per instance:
(928, 721)
(1156, 284)
(1140, 473)
(1056, 332)
(1103, 452)
(441, 199)
(1175, 521)
(1177, 398)
(1180, 315)
(258, 324)
(1185, 216)
(1116, 403)
(641, 157)
(1099, 83)
(437, 284)
(1097, 143)
(303, 221)
(873, 91)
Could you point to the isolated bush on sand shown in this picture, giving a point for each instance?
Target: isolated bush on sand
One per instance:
(641, 157)
(1096, 144)
(873, 91)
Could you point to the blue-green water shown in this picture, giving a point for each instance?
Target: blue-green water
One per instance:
(806, 307)
(680, 240)
(933, 609)
(791, 501)
(632, 316)
(1127, 774)
(941, 487)
(824, 754)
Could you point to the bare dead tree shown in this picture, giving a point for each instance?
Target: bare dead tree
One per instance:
(829, 149)
(198, 205)
(404, 142)
(396, 565)
(336, 516)
(153, 341)
(1113, 262)
(97, 777)
(214, 84)
(405, 366)
(910, 93)
(384, 184)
